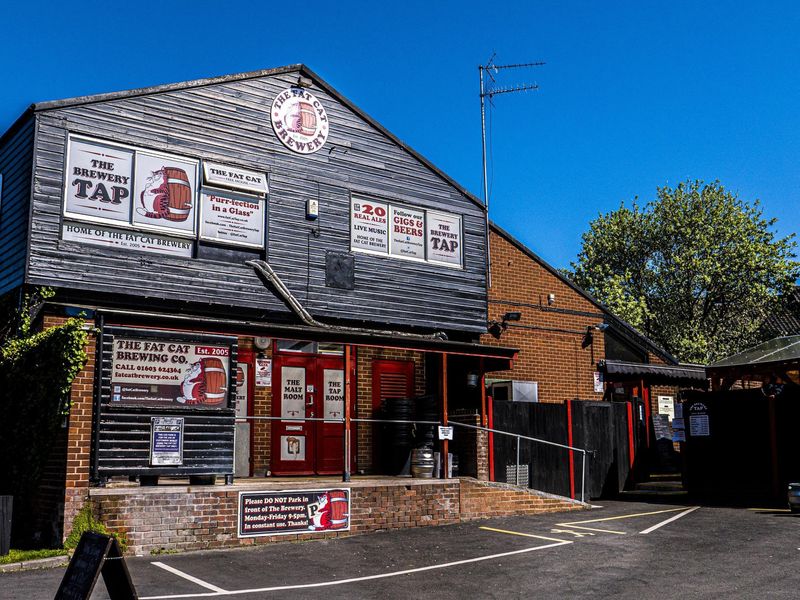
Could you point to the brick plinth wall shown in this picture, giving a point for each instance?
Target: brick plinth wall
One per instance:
(482, 499)
(202, 517)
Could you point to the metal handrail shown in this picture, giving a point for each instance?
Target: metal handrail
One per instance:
(518, 436)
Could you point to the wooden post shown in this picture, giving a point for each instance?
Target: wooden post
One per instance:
(347, 399)
(445, 443)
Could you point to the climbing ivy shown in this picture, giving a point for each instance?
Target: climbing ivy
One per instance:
(36, 374)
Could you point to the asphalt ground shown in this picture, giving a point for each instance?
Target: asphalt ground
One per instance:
(620, 550)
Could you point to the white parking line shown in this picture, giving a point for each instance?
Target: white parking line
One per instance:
(188, 577)
(670, 520)
(279, 588)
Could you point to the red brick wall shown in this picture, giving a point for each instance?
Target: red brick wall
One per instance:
(196, 518)
(482, 499)
(550, 342)
(79, 431)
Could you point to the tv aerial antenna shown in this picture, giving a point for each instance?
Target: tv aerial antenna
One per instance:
(490, 89)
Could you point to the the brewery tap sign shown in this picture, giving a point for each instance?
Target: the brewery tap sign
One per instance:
(169, 373)
(300, 120)
(296, 511)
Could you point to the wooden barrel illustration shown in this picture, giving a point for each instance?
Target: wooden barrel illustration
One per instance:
(180, 194)
(216, 380)
(302, 119)
(339, 514)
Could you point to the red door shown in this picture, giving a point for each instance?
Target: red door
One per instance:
(390, 379)
(311, 387)
(294, 396)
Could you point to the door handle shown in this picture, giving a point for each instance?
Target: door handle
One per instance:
(310, 400)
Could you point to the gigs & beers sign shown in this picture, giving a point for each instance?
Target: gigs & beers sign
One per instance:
(169, 373)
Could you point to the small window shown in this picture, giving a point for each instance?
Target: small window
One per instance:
(329, 348)
(304, 347)
(299, 346)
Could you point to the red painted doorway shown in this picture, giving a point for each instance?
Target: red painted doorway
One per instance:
(310, 386)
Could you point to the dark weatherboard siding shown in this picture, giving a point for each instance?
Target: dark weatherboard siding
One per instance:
(16, 153)
(229, 122)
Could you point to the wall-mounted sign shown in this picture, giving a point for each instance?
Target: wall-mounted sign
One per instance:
(166, 441)
(99, 180)
(445, 432)
(300, 121)
(297, 511)
(231, 218)
(263, 372)
(242, 383)
(126, 239)
(666, 406)
(293, 447)
(698, 420)
(407, 232)
(369, 226)
(165, 192)
(233, 177)
(169, 373)
(293, 392)
(444, 238)
(599, 386)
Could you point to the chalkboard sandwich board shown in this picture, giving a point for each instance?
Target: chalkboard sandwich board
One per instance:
(96, 554)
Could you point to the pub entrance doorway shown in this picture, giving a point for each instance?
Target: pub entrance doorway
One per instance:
(307, 382)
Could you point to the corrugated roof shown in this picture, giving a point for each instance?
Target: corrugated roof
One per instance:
(665, 373)
(777, 350)
(786, 318)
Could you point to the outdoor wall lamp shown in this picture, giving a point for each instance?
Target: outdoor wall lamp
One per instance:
(588, 338)
(497, 329)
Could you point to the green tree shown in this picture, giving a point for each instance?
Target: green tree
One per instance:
(697, 270)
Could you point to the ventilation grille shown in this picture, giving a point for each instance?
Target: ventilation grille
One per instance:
(517, 475)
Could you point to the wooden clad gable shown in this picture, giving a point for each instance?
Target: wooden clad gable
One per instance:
(227, 121)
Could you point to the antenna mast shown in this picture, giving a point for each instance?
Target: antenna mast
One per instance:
(489, 91)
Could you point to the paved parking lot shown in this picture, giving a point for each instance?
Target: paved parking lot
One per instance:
(619, 550)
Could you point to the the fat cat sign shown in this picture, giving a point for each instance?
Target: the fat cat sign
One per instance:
(300, 120)
(169, 373)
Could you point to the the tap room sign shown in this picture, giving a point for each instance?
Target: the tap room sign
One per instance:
(169, 373)
(296, 511)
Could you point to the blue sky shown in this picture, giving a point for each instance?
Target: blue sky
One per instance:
(634, 95)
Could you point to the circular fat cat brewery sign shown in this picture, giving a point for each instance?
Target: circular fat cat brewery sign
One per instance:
(300, 121)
